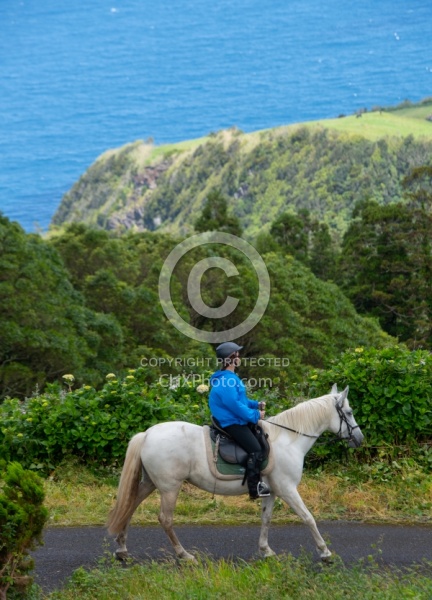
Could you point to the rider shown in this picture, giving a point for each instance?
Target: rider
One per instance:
(234, 412)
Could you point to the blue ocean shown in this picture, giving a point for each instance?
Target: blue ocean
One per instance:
(78, 78)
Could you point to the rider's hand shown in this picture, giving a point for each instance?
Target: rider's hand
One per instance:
(262, 414)
(261, 405)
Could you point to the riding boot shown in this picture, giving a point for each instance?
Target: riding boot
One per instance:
(256, 487)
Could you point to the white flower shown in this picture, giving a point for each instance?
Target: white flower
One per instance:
(202, 389)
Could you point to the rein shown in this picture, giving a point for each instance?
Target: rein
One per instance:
(293, 430)
(343, 419)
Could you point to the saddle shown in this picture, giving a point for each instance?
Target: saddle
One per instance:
(228, 448)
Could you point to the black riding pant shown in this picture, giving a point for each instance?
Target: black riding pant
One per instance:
(244, 436)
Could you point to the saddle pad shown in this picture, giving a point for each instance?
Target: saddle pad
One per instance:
(224, 467)
(223, 470)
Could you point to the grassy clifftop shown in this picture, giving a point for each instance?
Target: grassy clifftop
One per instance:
(408, 120)
(325, 166)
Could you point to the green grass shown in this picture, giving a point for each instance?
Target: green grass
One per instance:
(283, 577)
(397, 122)
(416, 111)
(392, 122)
(167, 150)
(376, 125)
(382, 491)
(376, 493)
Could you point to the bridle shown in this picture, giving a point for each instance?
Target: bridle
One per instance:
(343, 419)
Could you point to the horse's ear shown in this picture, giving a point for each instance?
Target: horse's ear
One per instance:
(334, 389)
(343, 396)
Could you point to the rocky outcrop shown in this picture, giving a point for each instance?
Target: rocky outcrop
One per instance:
(112, 193)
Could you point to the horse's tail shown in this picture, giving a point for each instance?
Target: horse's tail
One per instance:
(127, 492)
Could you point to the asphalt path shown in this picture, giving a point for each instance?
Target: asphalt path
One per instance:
(66, 549)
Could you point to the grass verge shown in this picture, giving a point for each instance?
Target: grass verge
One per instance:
(75, 496)
(283, 577)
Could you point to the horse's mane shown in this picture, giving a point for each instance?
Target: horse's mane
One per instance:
(305, 417)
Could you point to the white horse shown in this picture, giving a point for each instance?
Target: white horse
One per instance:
(167, 454)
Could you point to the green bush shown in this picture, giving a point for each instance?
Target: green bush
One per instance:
(95, 426)
(390, 393)
(22, 518)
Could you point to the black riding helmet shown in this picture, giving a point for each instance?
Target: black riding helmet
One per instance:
(226, 349)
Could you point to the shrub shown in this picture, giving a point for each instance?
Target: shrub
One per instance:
(22, 518)
(95, 426)
(390, 392)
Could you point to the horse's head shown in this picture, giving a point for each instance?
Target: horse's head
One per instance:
(343, 422)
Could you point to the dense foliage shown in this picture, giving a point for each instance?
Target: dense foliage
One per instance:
(22, 518)
(87, 302)
(306, 239)
(216, 217)
(94, 426)
(385, 267)
(263, 175)
(45, 325)
(389, 391)
(307, 320)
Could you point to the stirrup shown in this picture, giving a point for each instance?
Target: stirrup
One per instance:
(263, 490)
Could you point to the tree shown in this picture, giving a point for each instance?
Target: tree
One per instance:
(307, 240)
(45, 328)
(322, 253)
(118, 277)
(386, 266)
(291, 232)
(215, 216)
(418, 187)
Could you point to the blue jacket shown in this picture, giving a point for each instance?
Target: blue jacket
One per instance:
(228, 400)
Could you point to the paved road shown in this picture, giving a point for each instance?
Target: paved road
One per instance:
(66, 549)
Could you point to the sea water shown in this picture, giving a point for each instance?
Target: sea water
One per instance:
(79, 78)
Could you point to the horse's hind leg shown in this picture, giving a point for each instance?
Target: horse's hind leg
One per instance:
(145, 489)
(267, 504)
(168, 502)
(293, 499)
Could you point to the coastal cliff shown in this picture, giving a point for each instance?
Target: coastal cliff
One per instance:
(325, 167)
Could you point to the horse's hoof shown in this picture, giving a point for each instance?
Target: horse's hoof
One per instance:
(268, 553)
(327, 560)
(186, 557)
(121, 555)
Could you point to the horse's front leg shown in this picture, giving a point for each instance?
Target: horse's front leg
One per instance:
(267, 505)
(294, 500)
(166, 515)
